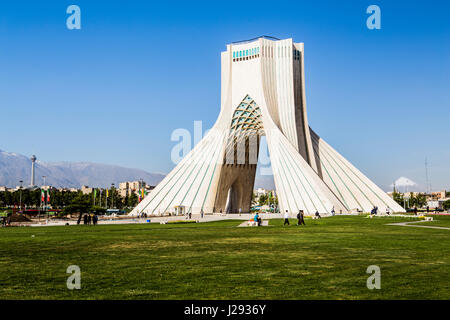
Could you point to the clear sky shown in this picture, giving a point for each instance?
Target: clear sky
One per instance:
(114, 91)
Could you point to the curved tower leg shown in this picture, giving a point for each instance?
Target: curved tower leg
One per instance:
(350, 185)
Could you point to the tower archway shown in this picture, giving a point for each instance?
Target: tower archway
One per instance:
(237, 175)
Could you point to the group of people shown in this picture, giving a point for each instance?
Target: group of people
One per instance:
(300, 218)
(89, 219)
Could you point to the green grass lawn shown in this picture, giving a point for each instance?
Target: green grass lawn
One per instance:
(326, 259)
(439, 221)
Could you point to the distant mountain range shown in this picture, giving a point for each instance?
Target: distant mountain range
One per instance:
(15, 167)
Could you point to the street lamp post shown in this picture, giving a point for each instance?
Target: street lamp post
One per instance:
(112, 195)
(43, 203)
(20, 195)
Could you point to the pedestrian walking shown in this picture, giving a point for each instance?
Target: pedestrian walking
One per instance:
(95, 219)
(286, 218)
(300, 218)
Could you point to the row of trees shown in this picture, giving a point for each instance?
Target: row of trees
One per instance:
(60, 199)
(419, 201)
(265, 199)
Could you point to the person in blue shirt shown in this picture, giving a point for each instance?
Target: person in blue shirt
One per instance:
(257, 219)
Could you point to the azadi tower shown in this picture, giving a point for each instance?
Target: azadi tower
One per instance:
(263, 93)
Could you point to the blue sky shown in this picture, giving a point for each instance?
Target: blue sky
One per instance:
(114, 91)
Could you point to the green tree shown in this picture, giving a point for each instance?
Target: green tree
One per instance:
(2, 199)
(133, 200)
(262, 199)
(82, 204)
(446, 205)
(115, 200)
(78, 205)
(97, 210)
(398, 197)
(421, 200)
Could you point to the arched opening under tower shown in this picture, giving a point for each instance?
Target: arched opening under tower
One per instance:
(237, 175)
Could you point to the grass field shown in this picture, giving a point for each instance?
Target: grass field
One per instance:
(326, 259)
(439, 221)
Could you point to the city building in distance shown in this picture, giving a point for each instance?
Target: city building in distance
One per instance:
(129, 187)
(263, 93)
